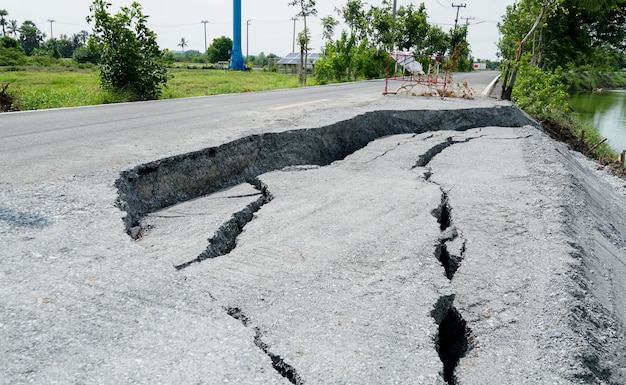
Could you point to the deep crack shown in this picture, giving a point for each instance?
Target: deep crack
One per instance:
(278, 363)
(453, 339)
(442, 212)
(425, 158)
(225, 238)
(449, 261)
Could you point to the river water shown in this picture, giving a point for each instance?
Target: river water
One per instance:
(606, 111)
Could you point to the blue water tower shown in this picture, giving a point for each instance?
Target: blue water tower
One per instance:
(236, 56)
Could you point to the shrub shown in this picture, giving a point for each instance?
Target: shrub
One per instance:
(131, 61)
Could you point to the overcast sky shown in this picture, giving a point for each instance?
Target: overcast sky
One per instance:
(270, 29)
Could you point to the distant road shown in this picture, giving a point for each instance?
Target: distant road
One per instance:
(74, 139)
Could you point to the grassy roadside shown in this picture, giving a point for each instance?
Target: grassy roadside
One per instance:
(34, 88)
(545, 97)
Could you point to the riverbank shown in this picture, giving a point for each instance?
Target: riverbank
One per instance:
(545, 96)
(591, 81)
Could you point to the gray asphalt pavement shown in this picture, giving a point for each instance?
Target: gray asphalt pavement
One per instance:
(445, 250)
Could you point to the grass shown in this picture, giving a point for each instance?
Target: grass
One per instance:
(34, 88)
(591, 80)
(187, 83)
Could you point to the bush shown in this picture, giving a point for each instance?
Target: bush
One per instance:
(90, 53)
(131, 61)
(12, 57)
(540, 93)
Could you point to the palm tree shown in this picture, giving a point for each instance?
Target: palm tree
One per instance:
(3, 21)
(183, 44)
(13, 28)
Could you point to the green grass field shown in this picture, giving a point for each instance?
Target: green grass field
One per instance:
(34, 88)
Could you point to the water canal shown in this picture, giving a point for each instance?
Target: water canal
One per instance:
(606, 111)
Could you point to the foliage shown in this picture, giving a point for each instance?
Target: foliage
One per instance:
(360, 51)
(590, 80)
(565, 33)
(219, 49)
(538, 92)
(30, 37)
(11, 53)
(90, 53)
(131, 60)
(413, 28)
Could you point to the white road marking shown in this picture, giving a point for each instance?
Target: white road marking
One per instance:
(299, 104)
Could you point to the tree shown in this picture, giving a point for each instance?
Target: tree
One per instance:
(384, 29)
(355, 17)
(307, 8)
(329, 24)
(219, 49)
(303, 41)
(131, 60)
(413, 28)
(183, 44)
(13, 28)
(3, 21)
(30, 37)
(542, 13)
(437, 41)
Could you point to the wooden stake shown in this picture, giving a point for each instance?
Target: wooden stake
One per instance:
(622, 158)
(597, 145)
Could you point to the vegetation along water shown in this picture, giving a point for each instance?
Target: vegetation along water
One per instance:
(605, 110)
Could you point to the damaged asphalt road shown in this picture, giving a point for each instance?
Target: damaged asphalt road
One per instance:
(389, 249)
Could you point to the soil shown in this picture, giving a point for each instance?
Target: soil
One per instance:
(6, 100)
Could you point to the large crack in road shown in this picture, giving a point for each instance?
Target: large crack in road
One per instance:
(277, 272)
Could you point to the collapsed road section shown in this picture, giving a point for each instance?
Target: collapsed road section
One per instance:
(159, 184)
(357, 272)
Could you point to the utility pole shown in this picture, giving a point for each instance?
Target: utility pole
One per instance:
(458, 8)
(247, 38)
(467, 19)
(51, 34)
(293, 48)
(205, 46)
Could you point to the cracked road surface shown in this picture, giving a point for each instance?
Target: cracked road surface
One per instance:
(469, 254)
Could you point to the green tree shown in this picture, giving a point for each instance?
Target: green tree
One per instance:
(218, 50)
(131, 60)
(413, 28)
(3, 21)
(437, 42)
(13, 28)
(354, 16)
(182, 44)
(384, 30)
(543, 15)
(307, 8)
(30, 37)
(329, 24)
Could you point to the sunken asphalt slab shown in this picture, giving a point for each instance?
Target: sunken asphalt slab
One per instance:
(490, 247)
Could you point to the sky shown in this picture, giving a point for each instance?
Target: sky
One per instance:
(270, 27)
